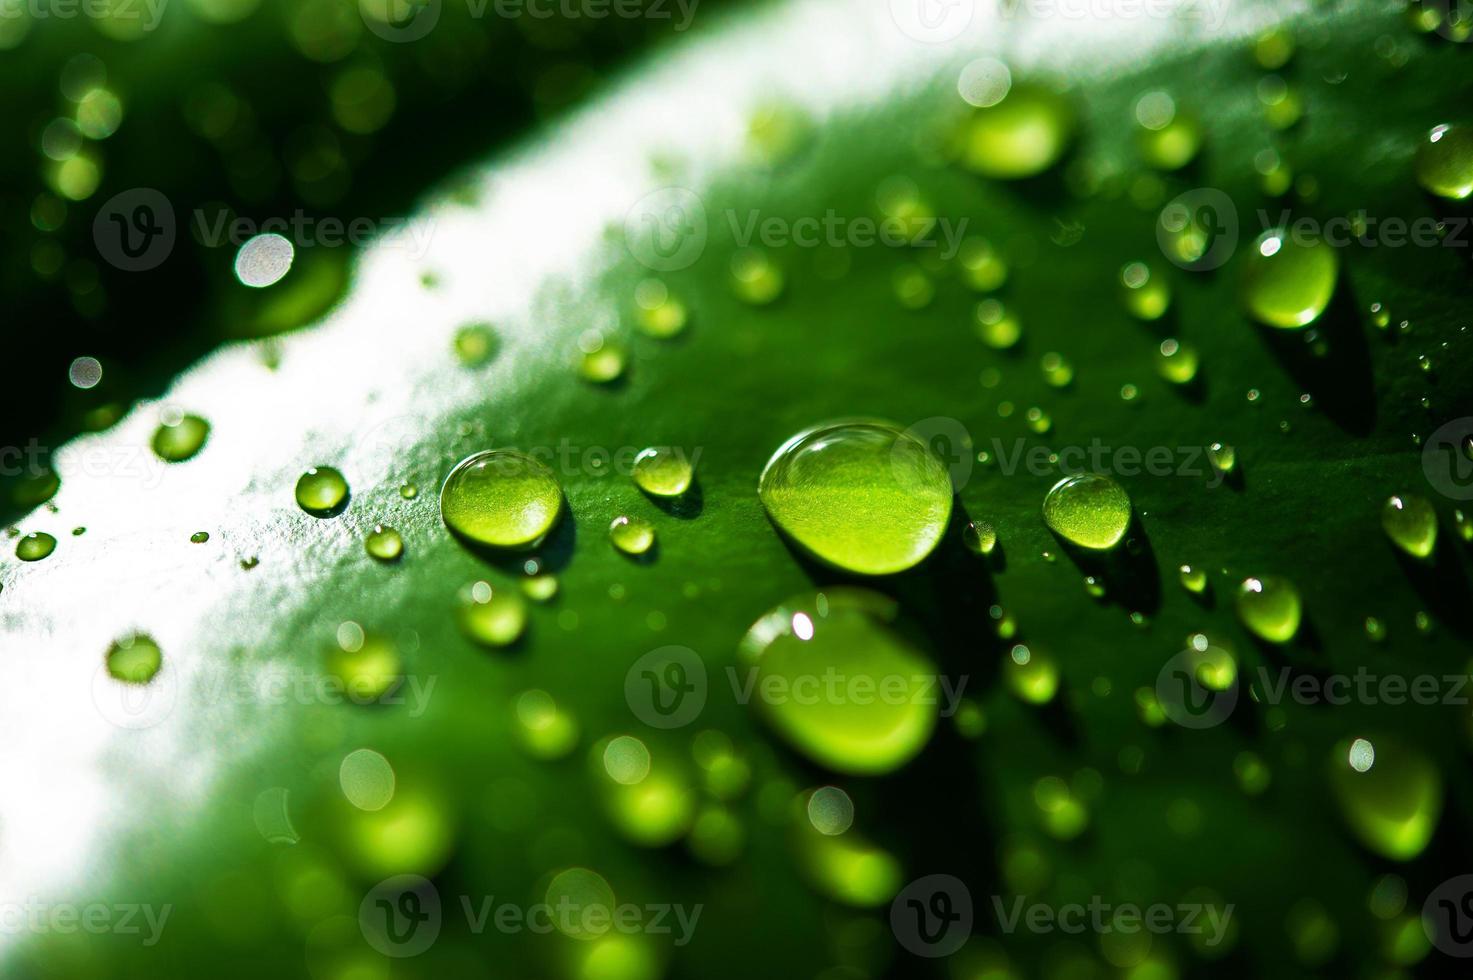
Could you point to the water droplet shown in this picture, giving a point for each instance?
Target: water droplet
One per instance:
(366, 779)
(200, 537)
(632, 535)
(658, 314)
(1094, 587)
(322, 491)
(1169, 138)
(1222, 456)
(1057, 371)
(1088, 510)
(544, 729)
(814, 653)
(384, 543)
(249, 563)
(1193, 579)
(1269, 607)
(1145, 291)
(176, 440)
(1392, 806)
(1177, 362)
(626, 760)
(979, 537)
(1032, 675)
(492, 617)
(1411, 524)
(540, 588)
(35, 546)
(601, 360)
(1038, 420)
(501, 498)
(1273, 48)
(1288, 283)
(367, 664)
(755, 278)
(1375, 629)
(134, 659)
(1463, 525)
(475, 344)
(662, 471)
(1380, 316)
(983, 269)
(859, 494)
(1444, 163)
(996, 325)
(409, 491)
(1022, 135)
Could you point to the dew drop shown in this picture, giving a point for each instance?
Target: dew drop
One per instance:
(835, 643)
(755, 278)
(475, 344)
(176, 440)
(200, 537)
(1411, 524)
(321, 491)
(1444, 162)
(384, 543)
(134, 659)
(1269, 607)
(502, 498)
(1088, 510)
(979, 537)
(982, 268)
(1224, 458)
(492, 617)
(1177, 362)
(1021, 135)
(662, 471)
(601, 360)
(1193, 579)
(861, 495)
(1390, 795)
(1144, 291)
(632, 535)
(1287, 283)
(657, 313)
(35, 546)
(996, 325)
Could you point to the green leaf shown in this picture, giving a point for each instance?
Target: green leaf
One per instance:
(229, 788)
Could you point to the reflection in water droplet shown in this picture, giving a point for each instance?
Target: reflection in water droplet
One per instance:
(830, 810)
(662, 471)
(501, 498)
(862, 495)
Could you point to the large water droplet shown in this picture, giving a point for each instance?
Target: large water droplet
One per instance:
(1288, 283)
(862, 495)
(1089, 510)
(1445, 162)
(1411, 524)
(1269, 606)
(837, 680)
(321, 491)
(501, 498)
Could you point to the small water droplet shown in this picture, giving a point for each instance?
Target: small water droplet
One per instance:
(1145, 291)
(755, 278)
(982, 267)
(1177, 362)
(632, 535)
(492, 617)
(542, 587)
(200, 537)
(1444, 163)
(662, 471)
(1193, 579)
(1375, 629)
(1411, 524)
(475, 344)
(322, 491)
(408, 491)
(1023, 134)
(602, 360)
(1169, 137)
(178, 439)
(502, 498)
(134, 659)
(1269, 607)
(384, 543)
(1287, 283)
(1224, 458)
(1088, 510)
(996, 325)
(979, 537)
